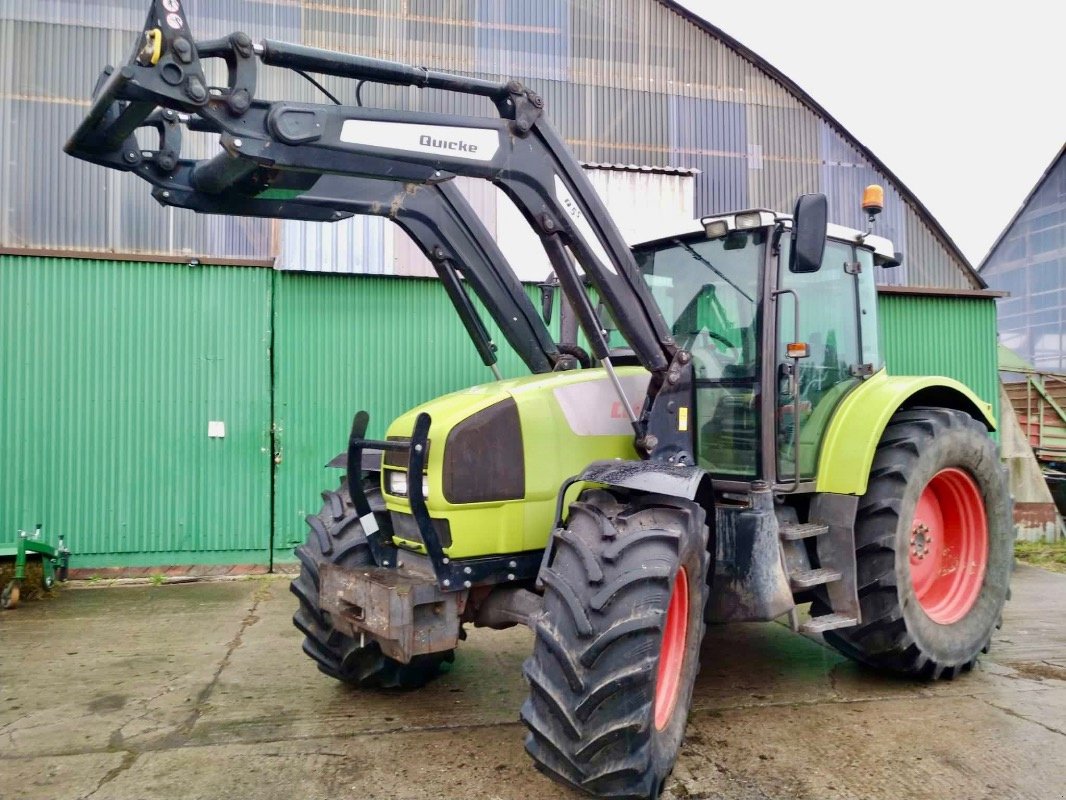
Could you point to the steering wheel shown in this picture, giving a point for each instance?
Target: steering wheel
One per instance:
(708, 353)
(720, 338)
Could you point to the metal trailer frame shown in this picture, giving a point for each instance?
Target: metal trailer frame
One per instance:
(55, 561)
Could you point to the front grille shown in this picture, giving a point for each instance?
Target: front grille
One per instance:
(405, 527)
(401, 458)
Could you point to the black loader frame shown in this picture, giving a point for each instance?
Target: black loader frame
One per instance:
(271, 147)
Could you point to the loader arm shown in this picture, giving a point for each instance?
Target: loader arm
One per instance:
(519, 152)
(437, 218)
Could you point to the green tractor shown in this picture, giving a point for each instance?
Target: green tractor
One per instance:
(741, 452)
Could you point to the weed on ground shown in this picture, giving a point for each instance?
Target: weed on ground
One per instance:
(1049, 555)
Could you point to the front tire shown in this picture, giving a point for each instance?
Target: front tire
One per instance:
(336, 535)
(934, 548)
(617, 648)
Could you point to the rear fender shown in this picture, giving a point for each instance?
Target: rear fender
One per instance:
(848, 448)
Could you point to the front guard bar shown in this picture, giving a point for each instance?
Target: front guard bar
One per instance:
(451, 574)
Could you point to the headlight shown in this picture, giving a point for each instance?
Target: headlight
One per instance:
(396, 483)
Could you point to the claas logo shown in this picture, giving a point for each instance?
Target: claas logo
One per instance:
(617, 412)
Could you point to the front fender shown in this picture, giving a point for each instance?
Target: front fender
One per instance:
(848, 448)
(654, 477)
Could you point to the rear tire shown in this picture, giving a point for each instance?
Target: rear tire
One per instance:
(616, 650)
(336, 536)
(931, 594)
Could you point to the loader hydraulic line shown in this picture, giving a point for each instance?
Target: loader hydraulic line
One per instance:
(519, 152)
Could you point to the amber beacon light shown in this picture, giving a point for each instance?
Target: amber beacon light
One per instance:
(873, 199)
(873, 203)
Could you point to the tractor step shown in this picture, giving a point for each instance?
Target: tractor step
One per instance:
(813, 577)
(802, 530)
(827, 622)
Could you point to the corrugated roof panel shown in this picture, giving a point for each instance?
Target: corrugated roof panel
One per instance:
(711, 136)
(262, 19)
(635, 130)
(845, 173)
(358, 245)
(1029, 261)
(532, 39)
(780, 164)
(50, 201)
(58, 61)
(106, 14)
(625, 82)
(926, 263)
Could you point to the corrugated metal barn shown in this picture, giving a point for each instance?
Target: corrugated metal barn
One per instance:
(130, 331)
(1029, 261)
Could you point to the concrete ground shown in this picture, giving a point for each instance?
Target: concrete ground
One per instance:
(201, 691)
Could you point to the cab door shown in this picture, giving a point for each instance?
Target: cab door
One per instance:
(837, 321)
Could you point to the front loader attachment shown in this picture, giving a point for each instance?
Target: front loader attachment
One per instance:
(271, 149)
(437, 218)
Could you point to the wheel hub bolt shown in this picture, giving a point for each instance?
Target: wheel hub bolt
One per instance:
(920, 541)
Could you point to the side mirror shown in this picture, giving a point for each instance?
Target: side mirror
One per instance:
(808, 233)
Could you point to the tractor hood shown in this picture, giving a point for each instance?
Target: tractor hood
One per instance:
(498, 453)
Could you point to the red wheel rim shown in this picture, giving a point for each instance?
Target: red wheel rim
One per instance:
(672, 651)
(948, 546)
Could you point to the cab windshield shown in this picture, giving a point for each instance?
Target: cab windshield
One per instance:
(708, 290)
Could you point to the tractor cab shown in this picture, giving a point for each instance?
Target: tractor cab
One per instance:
(774, 348)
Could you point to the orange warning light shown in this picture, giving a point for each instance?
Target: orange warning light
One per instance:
(873, 199)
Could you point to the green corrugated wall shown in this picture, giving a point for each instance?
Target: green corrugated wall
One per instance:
(109, 374)
(939, 335)
(111, 370)
(345, 344)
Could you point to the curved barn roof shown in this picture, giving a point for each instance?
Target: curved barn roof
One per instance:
(625, 81)
(803, 97)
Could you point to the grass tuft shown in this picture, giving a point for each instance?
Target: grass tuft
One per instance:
(1049, 555)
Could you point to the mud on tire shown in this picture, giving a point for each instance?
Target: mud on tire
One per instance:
(897, 634)
(595, 665)
(336, 535)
